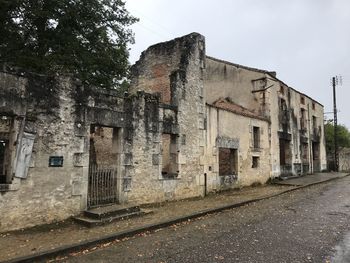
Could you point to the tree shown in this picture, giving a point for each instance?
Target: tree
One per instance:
(86, 38)
(343, 137)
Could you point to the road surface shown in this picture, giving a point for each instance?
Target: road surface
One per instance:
(307, 225)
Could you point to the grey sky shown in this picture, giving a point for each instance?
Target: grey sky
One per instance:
(305, 41)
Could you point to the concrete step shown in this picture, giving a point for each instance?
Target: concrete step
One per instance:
(107, 214)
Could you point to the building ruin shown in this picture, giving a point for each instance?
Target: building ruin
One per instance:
(190, 124)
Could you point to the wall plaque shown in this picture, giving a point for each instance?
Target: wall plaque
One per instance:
(56, 161)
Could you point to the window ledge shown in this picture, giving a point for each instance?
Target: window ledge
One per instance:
(7, 187)
(254, 149)
(4, 187)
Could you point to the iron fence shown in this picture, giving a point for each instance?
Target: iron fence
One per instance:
(102, 186)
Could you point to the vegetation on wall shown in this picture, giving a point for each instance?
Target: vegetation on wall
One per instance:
(85, 38)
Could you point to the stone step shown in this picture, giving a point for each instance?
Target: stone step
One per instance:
(107, 214)
(110, 211)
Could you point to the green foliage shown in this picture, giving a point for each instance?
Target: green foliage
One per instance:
(343, 136)
(87, 38)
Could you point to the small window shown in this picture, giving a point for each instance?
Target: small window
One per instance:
(314, 122)
(313, 106)
(256, 137)
(282, 90)
(302, 100)
(255, 162)
(283, 105)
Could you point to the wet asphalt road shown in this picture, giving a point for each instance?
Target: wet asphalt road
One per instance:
(307, 225)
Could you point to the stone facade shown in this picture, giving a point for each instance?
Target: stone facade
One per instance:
(190, 124)
(296, 134)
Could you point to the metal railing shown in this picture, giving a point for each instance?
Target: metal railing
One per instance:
(102, 186)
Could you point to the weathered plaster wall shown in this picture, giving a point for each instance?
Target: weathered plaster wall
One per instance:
(229, 130)
(260, 91)
(223, 79)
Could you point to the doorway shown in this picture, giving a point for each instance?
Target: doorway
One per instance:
(103, 165)
(316, 157)
(285, 158)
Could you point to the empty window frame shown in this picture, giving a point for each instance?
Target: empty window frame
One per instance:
(302, 119)
(282, 90)
(255, 162)
(256, 137)
(314, 125)
(283, 105)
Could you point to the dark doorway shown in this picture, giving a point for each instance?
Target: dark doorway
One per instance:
(170, 167)
(285, 158)
(316, 156)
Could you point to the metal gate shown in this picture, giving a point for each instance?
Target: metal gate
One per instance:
(102, 186)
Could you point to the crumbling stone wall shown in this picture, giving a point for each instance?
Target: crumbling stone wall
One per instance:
(43, 107)
(174, 91)
(172, 68)
(58, 113)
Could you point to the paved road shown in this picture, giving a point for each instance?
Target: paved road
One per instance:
(307, 225)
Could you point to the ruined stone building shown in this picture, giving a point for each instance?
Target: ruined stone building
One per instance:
(191, 124)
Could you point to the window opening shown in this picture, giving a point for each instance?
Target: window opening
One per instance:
(228, 161)
(282, 90)
(255, 162)
(302, 119)
(256, 137)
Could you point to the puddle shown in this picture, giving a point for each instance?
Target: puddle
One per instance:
(342, 251)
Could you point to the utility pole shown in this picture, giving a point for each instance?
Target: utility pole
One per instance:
(337, 80)
(335, 122)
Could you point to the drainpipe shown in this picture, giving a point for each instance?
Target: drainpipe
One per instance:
(205, 184)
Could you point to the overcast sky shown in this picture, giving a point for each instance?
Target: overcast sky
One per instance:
(305, 41)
